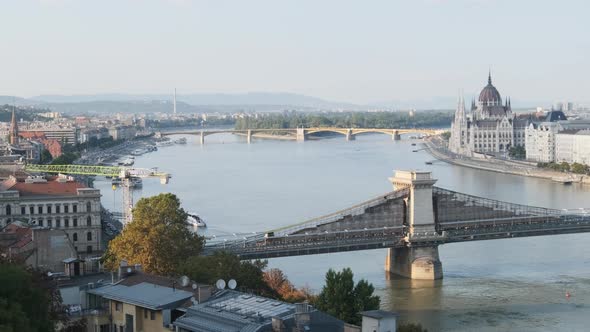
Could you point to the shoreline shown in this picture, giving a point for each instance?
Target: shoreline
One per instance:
(501, 166)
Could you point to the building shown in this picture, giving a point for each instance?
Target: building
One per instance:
(122, 132)
(379, 321)
(489, 126)
(55, 203)
(137, 301)
(230, 310)
(573, 146)
(63, 135)
(42, 248)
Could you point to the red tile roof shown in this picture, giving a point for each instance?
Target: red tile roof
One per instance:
(47, 188)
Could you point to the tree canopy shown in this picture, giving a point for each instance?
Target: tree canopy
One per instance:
(226, 266)
(157, 237)
(28, 300)
(341, 298)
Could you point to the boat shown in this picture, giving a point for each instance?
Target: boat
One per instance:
(127, 162)
(116, 181)
(413, 144)
(164, 143)
(181, 140)
(135, 182)
(194, 220)
(428, 162)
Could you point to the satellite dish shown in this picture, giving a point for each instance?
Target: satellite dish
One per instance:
(232, 283)
(184, 281)
(194, 286)
(220, 284)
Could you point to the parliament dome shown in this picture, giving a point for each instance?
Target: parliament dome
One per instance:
(489, 94)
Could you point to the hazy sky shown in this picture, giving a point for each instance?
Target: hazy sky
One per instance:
(355, 51)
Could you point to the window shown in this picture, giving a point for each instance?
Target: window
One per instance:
(89, 249)
(8, 210)
(75, 208)
(66, 222)
(118, 306)
(75, 237)
(89, 221)
(145, 313)
(57, 223)
(88, 207)
(75, 222)
(57, 209)
(23, 210)
(41, 222)
(152, 315)
(31, 209)
(40, 209)
(89, 236)
(48, 208)
(66, 208)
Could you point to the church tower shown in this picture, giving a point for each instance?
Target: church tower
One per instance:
(13, 130)
(458, 137)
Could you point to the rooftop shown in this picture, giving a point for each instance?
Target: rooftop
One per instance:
(144, 294)
(52, 187)
(378, 314)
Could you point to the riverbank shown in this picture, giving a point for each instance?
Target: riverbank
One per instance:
(437, 148)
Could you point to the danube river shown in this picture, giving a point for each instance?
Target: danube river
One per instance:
(499, 285)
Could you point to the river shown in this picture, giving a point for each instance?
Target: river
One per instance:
(497, 285)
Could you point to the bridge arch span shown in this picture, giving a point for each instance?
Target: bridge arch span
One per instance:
(343, 131)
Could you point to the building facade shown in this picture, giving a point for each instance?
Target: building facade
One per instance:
(55, 203)
(573, 146)
(489, 126)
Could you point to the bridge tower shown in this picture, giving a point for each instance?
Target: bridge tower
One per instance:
(419, 259)
(396, 136)
(349, 136)
(300, 135)
(249, 136)
(202, 138)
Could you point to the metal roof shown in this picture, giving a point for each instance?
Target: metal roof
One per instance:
(145, 295)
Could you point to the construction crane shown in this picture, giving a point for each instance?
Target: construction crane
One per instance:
(122, 172)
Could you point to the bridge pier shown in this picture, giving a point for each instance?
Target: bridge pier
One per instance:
(349, 136)
(396, 136)
(202, 138)
(301, 135)
(422, 263)
(249, 136)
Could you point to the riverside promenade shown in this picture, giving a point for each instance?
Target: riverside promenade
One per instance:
(437, 147)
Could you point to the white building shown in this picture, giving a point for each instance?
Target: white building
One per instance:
(553, 140)
(379, 321)
(55, 203)
(489, 127)
(573, 146)
(540, 141)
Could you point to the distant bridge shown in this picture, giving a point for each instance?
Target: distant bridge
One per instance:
(412, 221)
(301, 134)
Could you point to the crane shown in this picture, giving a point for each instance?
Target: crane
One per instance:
(122, 172)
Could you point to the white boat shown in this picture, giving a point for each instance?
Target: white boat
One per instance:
(127, 162)
(181, 140)
(164, 143)
(194, 220)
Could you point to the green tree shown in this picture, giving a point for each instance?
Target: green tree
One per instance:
(411, 327)
(66, 158)
(341, 298)
(29, 301)
(226, 266)
(157, 238)
(517, 152)
(579, 168)
(46, 156)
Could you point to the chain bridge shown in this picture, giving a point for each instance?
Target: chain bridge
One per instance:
(302, 134)
(411, 221)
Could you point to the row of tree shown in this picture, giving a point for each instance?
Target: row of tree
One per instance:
(566, 167)
(346, 120)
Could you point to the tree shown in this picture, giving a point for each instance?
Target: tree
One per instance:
(46, 156)
(579, 168)
(411, 327)
(29, 301)
(280, 284)
(342, 299)
(226, 266)
(517, 152)
(157, 238)
(446, 135)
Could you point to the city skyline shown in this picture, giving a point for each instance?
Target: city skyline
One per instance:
(345, 52)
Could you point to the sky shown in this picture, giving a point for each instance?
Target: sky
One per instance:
(340, 50)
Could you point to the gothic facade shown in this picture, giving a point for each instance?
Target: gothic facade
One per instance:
(488, 127)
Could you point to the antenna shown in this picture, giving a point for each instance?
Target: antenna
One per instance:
(174, 101)
(184, 281)
(232, 283)
(220, 284)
